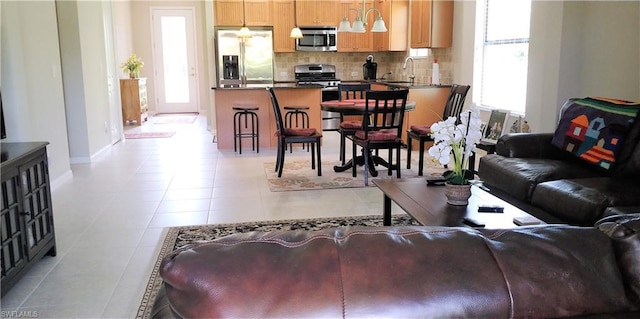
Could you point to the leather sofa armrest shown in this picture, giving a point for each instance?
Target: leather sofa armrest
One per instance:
(527, 145)
(624, 230)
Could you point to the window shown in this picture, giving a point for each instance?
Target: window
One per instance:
(419, 53)
(501, 54)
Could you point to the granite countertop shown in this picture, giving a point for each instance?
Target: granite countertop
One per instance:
(404, 84)
(262, 86)
(294, 85)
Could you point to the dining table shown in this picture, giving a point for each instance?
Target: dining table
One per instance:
(357, 107)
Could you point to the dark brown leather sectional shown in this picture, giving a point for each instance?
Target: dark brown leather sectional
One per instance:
(531, 173)
(410, 272)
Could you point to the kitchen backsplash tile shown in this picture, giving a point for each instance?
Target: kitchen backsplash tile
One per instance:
(349, 63)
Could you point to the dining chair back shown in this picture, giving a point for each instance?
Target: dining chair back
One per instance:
(287, 136)
(349, 127)
(353, 91)
(381, 128)
(421, 133)
(455, 101)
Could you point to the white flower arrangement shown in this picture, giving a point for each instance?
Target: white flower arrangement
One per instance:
(458, 141)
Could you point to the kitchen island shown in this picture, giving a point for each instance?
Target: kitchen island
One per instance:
(288, 94)
(430, 100)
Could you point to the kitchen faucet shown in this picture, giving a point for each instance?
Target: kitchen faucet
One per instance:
(388, 73)
(412, 77)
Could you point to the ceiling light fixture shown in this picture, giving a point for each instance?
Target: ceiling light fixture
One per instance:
(360, 23)
(244, 31)
(296, 33)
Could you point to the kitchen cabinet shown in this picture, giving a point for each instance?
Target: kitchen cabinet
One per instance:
(26, 212)
(431, 24)
(237, 12)
(226, 98)
(283, 22)
(133, 97)
(356, 42)
(395, 14)
(318, 13)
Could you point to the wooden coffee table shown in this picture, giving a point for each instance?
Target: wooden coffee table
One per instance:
(428, 205)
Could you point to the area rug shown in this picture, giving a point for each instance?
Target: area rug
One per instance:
(180, 236)
(148, 135)
(174, 120)
(298, 175)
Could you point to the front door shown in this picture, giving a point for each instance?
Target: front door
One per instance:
(174, 54)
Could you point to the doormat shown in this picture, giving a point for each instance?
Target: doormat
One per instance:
(177, 237)
(148, 135)
(174, 120)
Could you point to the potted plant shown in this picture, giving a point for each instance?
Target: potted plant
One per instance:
(455, 141)
(133, 65)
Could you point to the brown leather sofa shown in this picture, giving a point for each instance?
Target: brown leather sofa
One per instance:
(410, 272)
(531, 173)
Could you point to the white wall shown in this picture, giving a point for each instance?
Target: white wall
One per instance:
(94, 70)
(32, 80)
(462, 52)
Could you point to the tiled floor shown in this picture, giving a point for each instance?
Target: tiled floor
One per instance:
(110, 216)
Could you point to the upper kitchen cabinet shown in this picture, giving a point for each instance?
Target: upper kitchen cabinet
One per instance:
(237, 12)
(431, 23)
(318, 13)
(356, 42)
(283, 22)
(395, 14)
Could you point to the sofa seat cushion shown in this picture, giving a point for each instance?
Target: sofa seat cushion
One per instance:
(518, 177)
(583, 201)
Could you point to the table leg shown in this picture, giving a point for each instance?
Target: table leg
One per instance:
(386, 221)
(359, 160)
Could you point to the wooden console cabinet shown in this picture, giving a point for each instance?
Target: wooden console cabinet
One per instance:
(133, 93)
(26, 211)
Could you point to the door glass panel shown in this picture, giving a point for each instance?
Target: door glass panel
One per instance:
(174, 52)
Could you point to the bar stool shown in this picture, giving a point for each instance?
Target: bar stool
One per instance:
(301, 117)
(243, 113)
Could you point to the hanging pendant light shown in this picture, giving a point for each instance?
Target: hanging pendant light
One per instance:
(360, 23)
(244, 31)
(296, 33)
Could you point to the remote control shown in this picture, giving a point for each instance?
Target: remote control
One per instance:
(491, 209)
(436, 180)
(473, 222)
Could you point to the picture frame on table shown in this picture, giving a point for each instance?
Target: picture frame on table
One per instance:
(496, 126)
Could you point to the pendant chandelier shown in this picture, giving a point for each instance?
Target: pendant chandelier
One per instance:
(360, 23)
(244, 31)
(296, 33)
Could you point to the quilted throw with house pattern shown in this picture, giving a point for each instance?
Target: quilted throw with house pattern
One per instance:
(594, 129)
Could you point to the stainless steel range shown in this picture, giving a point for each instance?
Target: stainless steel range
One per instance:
(325, 76)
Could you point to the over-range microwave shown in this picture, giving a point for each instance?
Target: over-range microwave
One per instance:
(318, 39)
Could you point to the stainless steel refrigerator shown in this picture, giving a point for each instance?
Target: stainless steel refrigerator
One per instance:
(244, 60)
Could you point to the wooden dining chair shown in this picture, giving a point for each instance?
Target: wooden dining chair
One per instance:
(381, 128)
(288, 136)
(349, 127)
(421, 133)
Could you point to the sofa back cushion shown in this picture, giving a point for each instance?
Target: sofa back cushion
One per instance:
(596, 129)
(398, 272)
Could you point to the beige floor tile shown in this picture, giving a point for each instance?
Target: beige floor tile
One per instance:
(111, 216)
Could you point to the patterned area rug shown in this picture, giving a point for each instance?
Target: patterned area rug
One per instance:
(298, 175)
(149, 135)
(180, 236)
